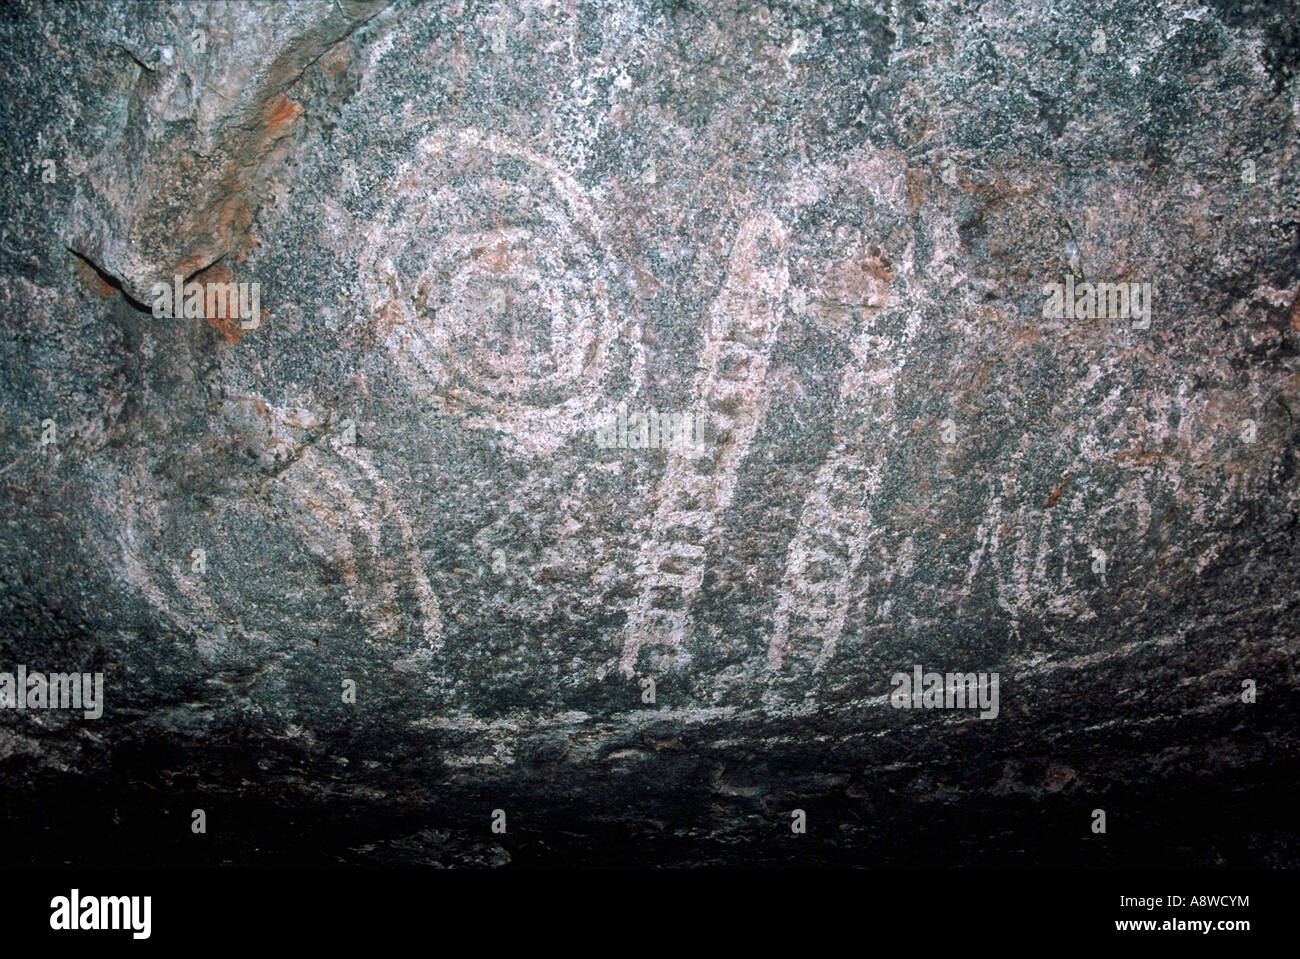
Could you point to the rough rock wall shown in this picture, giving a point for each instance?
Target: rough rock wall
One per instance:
(365, 567)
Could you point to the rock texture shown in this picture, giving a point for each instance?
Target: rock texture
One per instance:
(822, 228)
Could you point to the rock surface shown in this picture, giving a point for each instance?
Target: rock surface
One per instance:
(822, 230)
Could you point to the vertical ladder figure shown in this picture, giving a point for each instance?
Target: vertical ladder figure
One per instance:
(731, 391)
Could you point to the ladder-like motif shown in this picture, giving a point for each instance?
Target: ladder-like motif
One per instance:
(732, 393)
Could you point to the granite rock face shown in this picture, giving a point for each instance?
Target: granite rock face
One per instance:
(393, 553)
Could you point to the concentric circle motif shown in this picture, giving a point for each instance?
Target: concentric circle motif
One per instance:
(488, 279)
